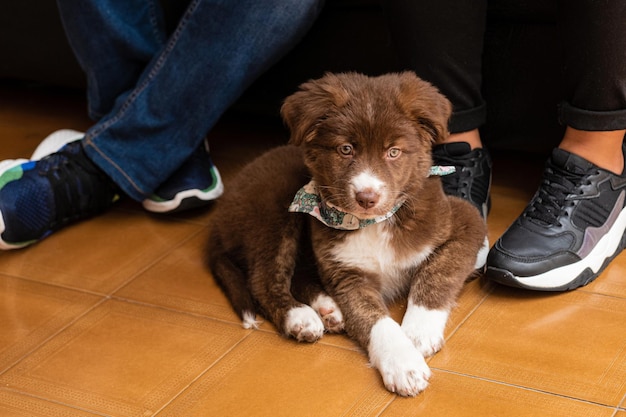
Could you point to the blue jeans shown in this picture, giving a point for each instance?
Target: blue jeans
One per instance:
(155, 97)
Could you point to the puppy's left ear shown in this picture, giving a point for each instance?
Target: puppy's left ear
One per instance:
(315, 99)
(429, 108)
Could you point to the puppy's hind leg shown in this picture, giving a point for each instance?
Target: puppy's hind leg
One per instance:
(307, 288)
(312, 294)
(271, 278)
(232, 280)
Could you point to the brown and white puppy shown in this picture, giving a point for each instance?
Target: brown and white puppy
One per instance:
(366, 142)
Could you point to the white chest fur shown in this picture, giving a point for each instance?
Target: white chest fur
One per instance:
(371, 249)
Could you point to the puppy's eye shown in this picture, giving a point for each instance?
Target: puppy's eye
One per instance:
(394, 153)
(345, 150)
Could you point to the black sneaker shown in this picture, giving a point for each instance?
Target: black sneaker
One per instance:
(38, 197)
(472, 179)
(569, 232)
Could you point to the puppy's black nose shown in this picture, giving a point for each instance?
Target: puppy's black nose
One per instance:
(367, 199)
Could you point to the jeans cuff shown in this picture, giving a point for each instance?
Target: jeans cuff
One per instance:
(591, 120)
(466, 120)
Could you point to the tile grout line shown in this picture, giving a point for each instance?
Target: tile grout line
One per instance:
(201, 374)
(534, 390)
(488, 291)
(56, 402)
(155, 261)
(38, 346)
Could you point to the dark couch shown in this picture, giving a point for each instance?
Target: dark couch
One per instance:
(521, 64)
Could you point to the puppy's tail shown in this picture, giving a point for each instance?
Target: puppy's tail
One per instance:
(232, 279)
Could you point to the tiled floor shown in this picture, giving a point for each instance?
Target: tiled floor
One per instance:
(117, 316)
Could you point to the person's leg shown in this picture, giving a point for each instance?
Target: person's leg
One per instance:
(216, 52)
(113, 42)
(595, 78)
(114, 52)
(442, 42)
(602, 148)
(218, 49)
(574, 225)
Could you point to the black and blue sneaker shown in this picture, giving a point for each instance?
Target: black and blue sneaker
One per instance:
(39, 197)
(195, 184)
(569, 232)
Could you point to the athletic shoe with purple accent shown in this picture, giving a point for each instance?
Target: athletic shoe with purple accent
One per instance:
(569, 232)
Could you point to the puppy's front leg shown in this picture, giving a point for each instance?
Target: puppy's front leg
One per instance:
(425, 327)
(434, 290)
(400, 364)
(367, 321)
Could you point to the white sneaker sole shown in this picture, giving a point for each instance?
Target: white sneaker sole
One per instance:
(195, 196)
(561, 278)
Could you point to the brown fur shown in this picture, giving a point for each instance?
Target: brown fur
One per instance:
(255, 241)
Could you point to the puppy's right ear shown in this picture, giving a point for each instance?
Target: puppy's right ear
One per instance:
(312, 103)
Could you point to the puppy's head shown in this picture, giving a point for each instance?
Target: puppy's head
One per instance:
(367, 140)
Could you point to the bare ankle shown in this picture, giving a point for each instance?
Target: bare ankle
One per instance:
(603, 148)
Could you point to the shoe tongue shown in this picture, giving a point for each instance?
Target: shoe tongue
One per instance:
(457, 148)
(570, 162)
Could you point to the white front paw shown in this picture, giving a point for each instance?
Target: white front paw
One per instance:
(402, 367)
(425, 328)
(329, 312)
(304, 324)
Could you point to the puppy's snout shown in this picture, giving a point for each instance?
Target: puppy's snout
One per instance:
(367, 198)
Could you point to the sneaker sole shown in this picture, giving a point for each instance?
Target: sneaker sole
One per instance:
(185, 200)
(583, 271)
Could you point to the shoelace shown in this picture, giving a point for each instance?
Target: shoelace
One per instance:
(79, 189)
(549, 202)
(456, 181)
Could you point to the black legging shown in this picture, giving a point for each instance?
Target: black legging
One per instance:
(442, 41)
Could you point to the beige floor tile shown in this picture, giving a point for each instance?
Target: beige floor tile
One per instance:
(31, 313)
(569, 344)
(473, 294)
(100, 254)
(182, 281)
(613, 280)
(461, 396)
(17, 405)
(123, 359)
(267, 375)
